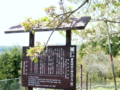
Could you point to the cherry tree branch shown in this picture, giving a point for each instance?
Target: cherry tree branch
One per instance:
(96, 20)
(70, 13)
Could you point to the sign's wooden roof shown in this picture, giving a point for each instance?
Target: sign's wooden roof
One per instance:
(75, 24)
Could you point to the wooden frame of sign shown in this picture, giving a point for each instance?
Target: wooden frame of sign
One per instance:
(56, 71)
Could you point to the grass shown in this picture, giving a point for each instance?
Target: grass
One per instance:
(101, 88)
(109, 85)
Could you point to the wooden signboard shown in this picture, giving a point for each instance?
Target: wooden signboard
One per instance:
(56, 69)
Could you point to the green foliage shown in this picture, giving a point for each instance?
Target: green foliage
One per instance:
(35, 52)
(82, 52)
(117, 4)
(52, 20)
(88, 47)
(10, 64)
(115, 45)
(70, 8)
(44, 19)
(94, 46)
(10, 60)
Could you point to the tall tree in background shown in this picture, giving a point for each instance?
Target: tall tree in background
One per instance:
(10, 62)
(10, 65)
(98, 63)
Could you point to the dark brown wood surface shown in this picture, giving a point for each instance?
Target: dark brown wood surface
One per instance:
(56, 70)
(31, 44)
(68, 37)
(75, 24)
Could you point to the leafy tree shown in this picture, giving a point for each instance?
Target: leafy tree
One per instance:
(98, 63)
(102, 10)
(94, 46)
(115, 45)
(10, 64)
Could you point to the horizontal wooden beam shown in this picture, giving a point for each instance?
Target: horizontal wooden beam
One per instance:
(75, 24)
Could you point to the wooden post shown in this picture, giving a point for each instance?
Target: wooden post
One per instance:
(80, 77)
(31, 39)
(86, 81)
(90, 83)
(68, 37)
(31, 44)
(30, 88)
(68, 43)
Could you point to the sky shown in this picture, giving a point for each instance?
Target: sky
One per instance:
(15, 11)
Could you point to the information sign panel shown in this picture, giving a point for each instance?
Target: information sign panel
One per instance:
(56, 69)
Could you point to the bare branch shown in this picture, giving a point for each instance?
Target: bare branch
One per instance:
(70, 13)
(102, 37)
(104, 20)
(50, 22)
(74, 10)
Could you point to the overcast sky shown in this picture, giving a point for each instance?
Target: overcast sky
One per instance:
(15, 11)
